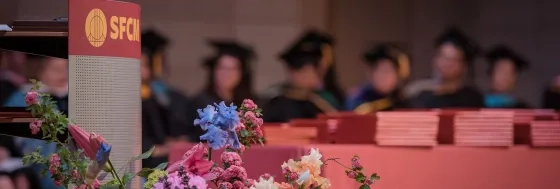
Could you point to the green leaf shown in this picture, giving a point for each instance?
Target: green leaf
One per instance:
(360, 177)
(244, 133)
(145, 172)
(145, 155)
(374, 176)
(364, 186)
(161, 166)
(127, 177)
(317, 187)
(109, 186)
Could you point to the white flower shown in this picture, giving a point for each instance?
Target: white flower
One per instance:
(314, 157)
(265, 184)
(303, 177)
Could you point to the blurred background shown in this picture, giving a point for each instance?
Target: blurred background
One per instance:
(528, 26)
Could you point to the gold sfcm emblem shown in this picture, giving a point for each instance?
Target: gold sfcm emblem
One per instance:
(96, 27)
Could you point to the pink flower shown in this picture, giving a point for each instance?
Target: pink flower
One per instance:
(351, 174)
(251, 182)
(85, 141)
(175, 180)
(252, 117)
(266, 176)
(231, 158)
(258, 132)
(83, 186)
(284, 186)
(368, 182)
(58, 182)
(197, 182)
(249, 104)
(218, 171)
(238, 185)
(96, 184)
(193, 161)
(356, 163)
(35, 126)
(54, 163)
(294, 176)
(75, 174)
(31, 98)
(225, 185)
(239, 127)
(234, 171)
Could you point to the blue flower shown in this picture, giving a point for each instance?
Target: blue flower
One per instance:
(227, 117)
(102, 154)
(206, 117)
(216, 137)
(219, 121)
(233, 140)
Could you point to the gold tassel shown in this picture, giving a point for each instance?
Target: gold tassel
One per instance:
(327, 58)
(145, 91)
(157, 62)
(372, 106)
(404, 66)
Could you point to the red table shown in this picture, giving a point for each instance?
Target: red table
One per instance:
(442, 167)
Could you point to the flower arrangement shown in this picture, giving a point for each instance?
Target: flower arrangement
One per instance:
(81, 158)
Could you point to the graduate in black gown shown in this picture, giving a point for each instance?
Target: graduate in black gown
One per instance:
(455, 53)
(328, 88)
(165, 111)
(301, 97)
(504, 66)
(381, 92)
(12, 66)
(230, 77)
(551, 95)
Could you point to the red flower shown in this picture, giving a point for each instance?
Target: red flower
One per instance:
(193, 161)
(88, 142)
(35, 126)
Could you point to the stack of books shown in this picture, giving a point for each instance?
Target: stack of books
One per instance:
(545, 133)
(484, 128)
(407, 128)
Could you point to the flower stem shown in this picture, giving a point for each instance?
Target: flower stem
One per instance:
(336, 161)
(209, 154)
(114, 173)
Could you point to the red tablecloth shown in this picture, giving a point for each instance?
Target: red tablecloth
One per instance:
(258, 159)
(443, 167)
(449, 167)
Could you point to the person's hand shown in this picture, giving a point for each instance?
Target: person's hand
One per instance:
(4, 154)
(160, 150)
(556, 82)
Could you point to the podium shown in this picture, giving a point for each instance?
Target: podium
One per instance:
(101, 40)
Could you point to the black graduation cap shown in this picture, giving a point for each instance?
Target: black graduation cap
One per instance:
(153, 44)
(232, 48)
(307, 49)
(503, 52)
(459, 39)
(391, 52)
(381, 52)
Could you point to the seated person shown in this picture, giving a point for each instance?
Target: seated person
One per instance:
(5, 181)
(504, 66)
(164, 109)
(551, 95)
(328, 88)
(381, 92)
(53, 73)
(455, 55)
(10, 156)
(26, 178)
(300, 97)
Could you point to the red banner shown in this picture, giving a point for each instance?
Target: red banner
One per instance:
(104, 28)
